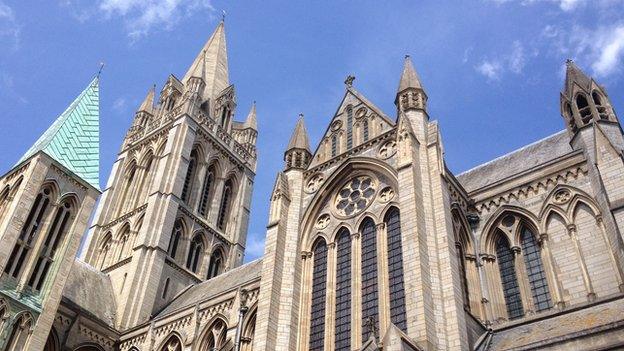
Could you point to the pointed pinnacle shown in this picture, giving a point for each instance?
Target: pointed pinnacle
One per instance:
(251, 121)
(409, 77)
(299, 138)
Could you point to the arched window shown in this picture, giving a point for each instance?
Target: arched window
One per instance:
(602, 110)
(334, 145)
(395, 270)
(583, 108)
(4, 200)
(509, 279)
(190, 177)
(29, 233)
(461, 243)
(145, 180)
(207, 188)
(175, 239)
(349, 127)
(124, 201)
(52, 343)
(319, 288)
(215, 265)
(343, 291)
(172, 344)
(225, 115)
(224, 209)
(194, 254)
(249, 332)
(535, 271)
(55, 235)
(370, 304)
(123, 246)
(104, 250)
(19, 333)
(365, 130)
(165, 288)
(214, 339)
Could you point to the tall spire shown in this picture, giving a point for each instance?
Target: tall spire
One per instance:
(74, 139)
(251, 122)
(148, 104)
(575, 75)
(211, 64)
(299, 138)
(409, 77)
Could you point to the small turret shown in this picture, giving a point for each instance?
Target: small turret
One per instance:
(583, 101)
(411, 94)
(298, 153)
(146, 110)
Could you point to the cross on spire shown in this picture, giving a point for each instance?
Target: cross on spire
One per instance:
(349, 81)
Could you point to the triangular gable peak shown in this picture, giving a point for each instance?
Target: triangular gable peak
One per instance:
(356, 121)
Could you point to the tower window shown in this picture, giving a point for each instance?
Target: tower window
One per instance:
(194, 255)
(602, 110)
(190, 175)
(370, 304)
(395, 270)
(319, 287)
(224, 209)
(175, 239)
(215, 265)
(28, 234)
(334, 145)
(208, 180)
(509, 279)
(349, 127)
(583, 108)
(343, 292)
(55, 234)
(365, 130)
(105, 249)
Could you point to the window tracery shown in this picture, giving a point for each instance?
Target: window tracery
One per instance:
(175, 239)
(355, 196)
(224, 209)
(395, 269)
(317, 306)
(194, 255)
(343, 291)
(509, 278)
(370, 303)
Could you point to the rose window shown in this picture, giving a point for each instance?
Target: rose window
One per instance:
(355, 196)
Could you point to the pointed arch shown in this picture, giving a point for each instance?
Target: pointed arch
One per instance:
(249, 329)
(195, 252)
(370, 294)
(319, 290)
(52, 343)
(129, 177)
(342, 329)
(176, 235)
(488, 243)
(583, 107)
(31, 228)
(21, 328)
(216, 264)
(225, 207)
(104, 250)
(398, 314)
(56, 234)
(214, 337)
(207, 189)
(172, 343)
(123, 242)
(189, 179)
(509, 278)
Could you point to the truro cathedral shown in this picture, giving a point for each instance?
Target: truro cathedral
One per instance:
(371, 243)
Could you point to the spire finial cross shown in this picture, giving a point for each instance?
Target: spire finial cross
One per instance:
(223, 13)
(349, 80)
(100, 70)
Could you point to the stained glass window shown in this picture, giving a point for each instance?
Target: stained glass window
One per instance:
(370, 304)
(535, 271)
(395, 270)
(343, 291)
(509, 279)
(319, 288)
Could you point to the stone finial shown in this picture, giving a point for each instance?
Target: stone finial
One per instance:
(349, 81)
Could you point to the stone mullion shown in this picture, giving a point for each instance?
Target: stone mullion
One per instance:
(472, 277)
(486, 300)
(554, 284)
(306, 296)
(195, 194)
(356, 290)
(213, 213)
(330, 297)
(572, 232)
(383, 289)
(499, 308)
(526, 295)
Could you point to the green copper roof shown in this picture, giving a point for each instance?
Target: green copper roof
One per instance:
(74, 138)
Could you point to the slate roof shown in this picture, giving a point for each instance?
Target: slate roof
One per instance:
(74, 138)
(215, 286)
(516, 162)
(92, 291)
(536, 334)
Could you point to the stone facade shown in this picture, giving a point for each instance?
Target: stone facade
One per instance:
(372, 243)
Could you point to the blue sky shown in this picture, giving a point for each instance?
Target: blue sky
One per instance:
(492, 69)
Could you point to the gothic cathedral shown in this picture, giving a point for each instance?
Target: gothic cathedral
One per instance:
(371, 242)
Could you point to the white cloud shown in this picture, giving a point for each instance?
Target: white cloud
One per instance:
(610, 52)
(491, 69)
(140, 16)
(517, 58)
(569, 5)
(119, 104)
(9, 28)
(255, 246)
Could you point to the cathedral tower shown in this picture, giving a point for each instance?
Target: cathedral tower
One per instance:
(175, 210)
(45, 205)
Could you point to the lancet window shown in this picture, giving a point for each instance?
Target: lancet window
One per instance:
(319, 287)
